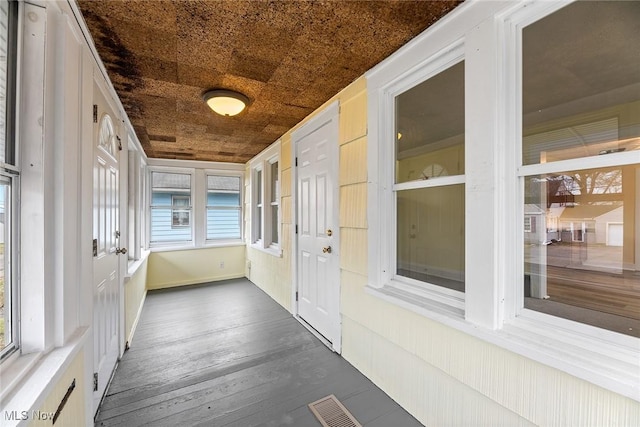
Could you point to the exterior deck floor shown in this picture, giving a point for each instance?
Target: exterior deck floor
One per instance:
(226, 354)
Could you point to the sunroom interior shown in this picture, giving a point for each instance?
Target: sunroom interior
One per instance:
(445, 194)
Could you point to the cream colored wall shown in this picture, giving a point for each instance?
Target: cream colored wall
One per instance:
(271, 273)
(188, 267)
(72, 415)
(135, 290)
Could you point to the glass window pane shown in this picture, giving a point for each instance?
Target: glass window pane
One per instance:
(223, 207)
(580, 258)
(274, 224)
(4, 67)
(275, 187)
(259, 186)
(581, 89)
(170, 207)
(230, 184)
(430, 127)
(5, 258)
(430, 235)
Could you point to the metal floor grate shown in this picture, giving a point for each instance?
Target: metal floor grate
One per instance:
(331, 413)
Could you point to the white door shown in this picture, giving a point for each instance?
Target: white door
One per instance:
(105, 244)
(317, 217)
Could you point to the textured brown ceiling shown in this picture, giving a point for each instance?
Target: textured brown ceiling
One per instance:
(288, 57)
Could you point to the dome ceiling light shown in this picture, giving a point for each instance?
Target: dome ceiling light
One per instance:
(225, 102)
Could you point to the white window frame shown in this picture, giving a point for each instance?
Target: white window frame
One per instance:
(492, 309)
(261, 237)
(199, 170)
(240, 175)
(438, 298)
(10, 173)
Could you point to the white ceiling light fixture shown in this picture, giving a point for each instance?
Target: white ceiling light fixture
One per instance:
(225, 102)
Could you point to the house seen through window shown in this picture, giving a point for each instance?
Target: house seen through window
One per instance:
(581, 127)
(171, 208)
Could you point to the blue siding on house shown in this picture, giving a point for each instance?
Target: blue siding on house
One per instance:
(224, 218)
(161, 228)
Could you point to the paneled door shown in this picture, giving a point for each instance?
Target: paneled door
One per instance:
(105, 244)
(318, 280)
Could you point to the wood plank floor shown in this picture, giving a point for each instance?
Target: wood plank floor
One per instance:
(225, 354)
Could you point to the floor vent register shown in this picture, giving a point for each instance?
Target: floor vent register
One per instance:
(331, 413)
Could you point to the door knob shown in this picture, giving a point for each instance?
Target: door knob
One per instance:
(327, 250)
(121, 251)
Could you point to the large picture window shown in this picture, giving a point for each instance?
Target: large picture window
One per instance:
(580, 127)
(429, 181)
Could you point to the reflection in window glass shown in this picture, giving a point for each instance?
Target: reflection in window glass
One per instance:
(430, 235)
(430, 127)
(170, 207)
(223, 207)
(581, 90)
(583, 254)
(180, 212)
(581, 98)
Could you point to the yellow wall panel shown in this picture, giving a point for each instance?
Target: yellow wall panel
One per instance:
(462, 380)
(73, 414)
(285, 239)
(285, 183)
(272, 274)
(353, 206)
(286, 210)
(285, 151)
(353, 162)
(135, 289)
(353, 117)
(432, 396)
(187, 267)
(353, 250)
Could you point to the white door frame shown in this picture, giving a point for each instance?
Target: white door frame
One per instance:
(330, 113)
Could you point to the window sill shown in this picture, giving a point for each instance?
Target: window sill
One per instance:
(419, 301)
(601, 357)
(134, 265)
(190, 246)
(33, 375)
(277, 252)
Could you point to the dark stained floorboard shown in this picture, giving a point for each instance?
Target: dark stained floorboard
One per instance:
(225, 354)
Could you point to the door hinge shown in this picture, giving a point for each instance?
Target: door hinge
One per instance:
(95, 113)
(296, 228)
(119, 143)
(296, 295)
(95, 381)
(296, 161)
